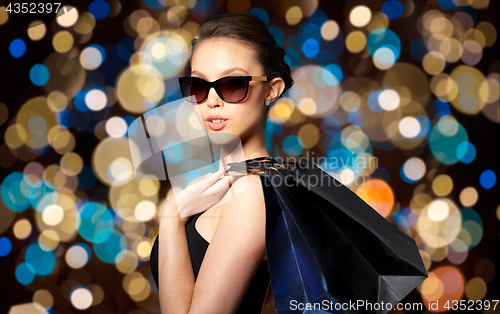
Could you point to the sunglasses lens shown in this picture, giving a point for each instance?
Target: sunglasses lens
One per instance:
(193, 88)
(233, 89)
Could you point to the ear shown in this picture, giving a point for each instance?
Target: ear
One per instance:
(276, 87)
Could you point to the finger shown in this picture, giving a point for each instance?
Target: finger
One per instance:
(218, 174)
(221, 186)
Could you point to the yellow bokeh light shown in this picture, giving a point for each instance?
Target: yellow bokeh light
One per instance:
(85, 24)
(379, 20)
(309, 134)
(307, 106)
(293, 15)
(22, 229)
(442, 185)
(329, 30)
(476, 289)
(69, 18)
(350, 101)
(43, 298)
(37, 30)
(489, 31)
(49, 240)
(57, 101)
(71, 164)
(127, 262)
(468, 196)
(62, 41)
(360, 16)
(356, 41)
(145, 210)
(433, 63)
(438, 210)
(15, 136)
(52, 215)
(4, 16)
(143, 249)
(149, 187)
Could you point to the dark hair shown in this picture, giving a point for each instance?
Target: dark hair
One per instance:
(250, 30)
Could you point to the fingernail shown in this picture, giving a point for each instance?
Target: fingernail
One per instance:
(227, 168)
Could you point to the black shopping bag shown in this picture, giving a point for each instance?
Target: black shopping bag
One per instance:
(328, 248)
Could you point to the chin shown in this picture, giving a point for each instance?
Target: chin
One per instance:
(224, 137)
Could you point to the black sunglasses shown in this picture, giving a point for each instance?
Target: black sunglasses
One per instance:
(230, 88)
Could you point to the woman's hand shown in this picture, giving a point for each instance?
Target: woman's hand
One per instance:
(198, 195)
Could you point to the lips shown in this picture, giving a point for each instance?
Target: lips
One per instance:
(215, 117)
(219, 124)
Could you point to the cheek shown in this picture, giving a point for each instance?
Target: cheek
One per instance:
(249, 115)
(255, 95)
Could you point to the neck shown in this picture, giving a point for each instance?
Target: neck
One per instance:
(249, 148)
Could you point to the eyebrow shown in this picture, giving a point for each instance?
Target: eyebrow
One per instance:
(223, 73)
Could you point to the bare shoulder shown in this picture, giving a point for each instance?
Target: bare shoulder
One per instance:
(246, 193)
(235, 251)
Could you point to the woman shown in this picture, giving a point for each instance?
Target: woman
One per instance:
(233, 277)
(320, 245)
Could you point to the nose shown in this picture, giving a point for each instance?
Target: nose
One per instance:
(213, 99)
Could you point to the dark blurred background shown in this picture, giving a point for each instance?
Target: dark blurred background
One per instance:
(411, 85)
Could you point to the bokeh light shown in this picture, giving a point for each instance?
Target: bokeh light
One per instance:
(404, 94)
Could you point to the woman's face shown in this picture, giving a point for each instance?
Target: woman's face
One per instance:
(219, 57)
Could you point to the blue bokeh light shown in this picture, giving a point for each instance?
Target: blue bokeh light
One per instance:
(418, 49)
(330, 125)
(384, 38)
(445, 137)
(442, 108)
(293, 57)
(15, 191)
(332, 74)
(487, 179)
(42, 194)
(39, 74)
(17, 48)
(448, 4)
(25, 273)
(392, 9)
(278, 35)
(108, 250)
(261, 14)
(373, 102)
(466, 152)
(310, 48)
(425, 126)
(95, 222)
(124, 49)
(5, 246)
(294, 42)
(100, 9)
(86, 178)
(312, 31)
(173, 152)
(43, 260)
(292, 145)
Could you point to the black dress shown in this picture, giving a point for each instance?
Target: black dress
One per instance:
(256, 293)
